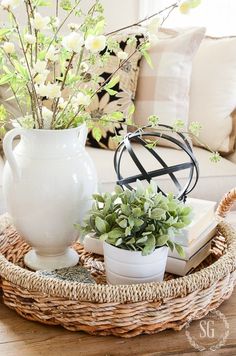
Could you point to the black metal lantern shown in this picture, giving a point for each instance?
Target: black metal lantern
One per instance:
(139, 137)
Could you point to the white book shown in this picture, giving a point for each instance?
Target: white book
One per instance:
(196, 244)
(182, 267)
(203, 214)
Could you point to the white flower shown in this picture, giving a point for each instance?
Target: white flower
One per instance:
(95, 43)
(9, 47)
(73, 26)
(39, 22)
(49, 90)
(40, 67)
(80, 99)
(47, 117)
(54, 91)
(122, 55)
(41, 78)
(153, 39)
(40, 72)
(51, 54)
(84, 67)
(9, 4)
(152, 30)
(62, 103)
(153, 26)
(42, 90)
(185, 7)
(29, 39)
(73, 42)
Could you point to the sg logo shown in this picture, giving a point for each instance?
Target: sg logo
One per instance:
(207, 329)
(211, 333)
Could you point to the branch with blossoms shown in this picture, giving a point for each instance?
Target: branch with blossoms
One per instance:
(48, 72)
(38, 54)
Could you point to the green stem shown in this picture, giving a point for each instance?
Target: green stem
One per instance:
(145, 19)
(62, 87)
(36, 101)
(62, 24)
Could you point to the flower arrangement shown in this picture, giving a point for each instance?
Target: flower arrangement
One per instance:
(49, 73)
(138, 220)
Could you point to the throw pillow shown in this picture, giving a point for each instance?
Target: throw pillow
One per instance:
(103, 103)
(213, 93)
(164, 90)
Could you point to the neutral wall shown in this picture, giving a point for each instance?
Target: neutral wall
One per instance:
(118, 13)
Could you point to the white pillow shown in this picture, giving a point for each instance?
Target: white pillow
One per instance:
(213, 93)
(164, 90)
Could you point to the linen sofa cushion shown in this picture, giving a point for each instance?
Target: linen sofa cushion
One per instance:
(215, 179)
(213, 93)
(104, 103)
(164, 90)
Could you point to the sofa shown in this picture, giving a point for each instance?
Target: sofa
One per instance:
(194, 77)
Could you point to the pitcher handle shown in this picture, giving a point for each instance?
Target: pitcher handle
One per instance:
(8, 151)
(83, 132)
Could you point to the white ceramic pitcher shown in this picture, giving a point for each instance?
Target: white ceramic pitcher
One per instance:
(48, 181)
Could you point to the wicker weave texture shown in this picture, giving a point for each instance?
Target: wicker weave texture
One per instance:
(118, 310)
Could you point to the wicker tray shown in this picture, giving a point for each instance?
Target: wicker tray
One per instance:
(118, 310)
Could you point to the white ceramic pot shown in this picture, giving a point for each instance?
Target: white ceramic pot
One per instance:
(48, 181)
(130, 267)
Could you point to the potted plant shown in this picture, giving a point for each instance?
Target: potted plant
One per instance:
(137, 228)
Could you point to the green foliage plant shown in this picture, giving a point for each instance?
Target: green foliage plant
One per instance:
(137, 220)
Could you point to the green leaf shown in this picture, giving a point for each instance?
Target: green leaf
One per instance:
(148, 58)
(111, 91)
(137, 212)
(149, 246)
(125, 209)
(194, 3)
(5, 79)
(118, 189)
(127, 231)
(98, 198)
(99, 27)
(157, 213)
(115, 233)
(22, 70)
(101, 225)
(171, 245)
(66, 5)
(142, 239)
(162, 240)
(97, 133)
(186, 210)
(5, 31)
(138, 222)
(113, 82)
(131, 110)
(103, 237)
(42, 3)
(118, 242)
(117, 115)
(180, 250)
(150, 145)
(122, 223)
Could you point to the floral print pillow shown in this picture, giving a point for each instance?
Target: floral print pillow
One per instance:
(104, 103)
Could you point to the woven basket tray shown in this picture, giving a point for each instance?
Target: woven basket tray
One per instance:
(118, 310)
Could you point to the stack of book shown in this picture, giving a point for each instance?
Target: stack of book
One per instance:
(195, 239)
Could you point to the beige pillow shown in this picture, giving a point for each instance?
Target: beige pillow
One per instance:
(213, 93)
(164, 90)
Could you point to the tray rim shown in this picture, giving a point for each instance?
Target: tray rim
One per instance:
(101, 293)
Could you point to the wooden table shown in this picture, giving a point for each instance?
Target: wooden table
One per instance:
(20, 337)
